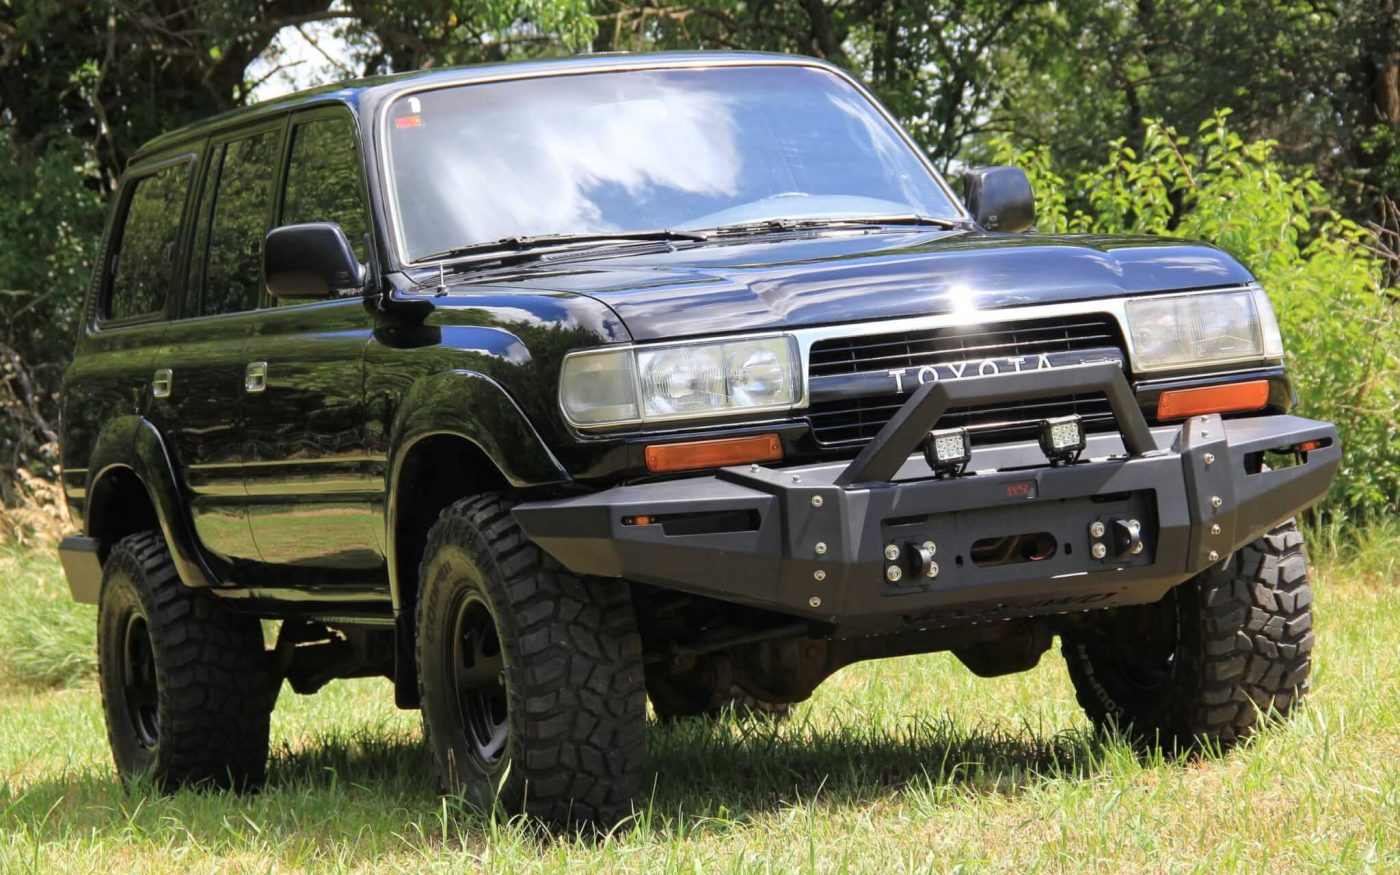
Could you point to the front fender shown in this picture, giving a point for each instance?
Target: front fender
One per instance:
(476, 408)
(133, 444)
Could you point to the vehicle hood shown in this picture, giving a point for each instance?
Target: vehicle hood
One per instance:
(828, 278)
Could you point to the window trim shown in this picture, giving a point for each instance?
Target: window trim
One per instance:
(101, 320)
(198, 263)
(306, 116)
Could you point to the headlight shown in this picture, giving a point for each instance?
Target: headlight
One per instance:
(679, 381)
(1175, 331)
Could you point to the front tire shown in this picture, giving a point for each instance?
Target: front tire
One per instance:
(530, 677)
(186, 685)
(1205, 665)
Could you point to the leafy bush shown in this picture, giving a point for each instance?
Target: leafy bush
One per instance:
(1340, 324)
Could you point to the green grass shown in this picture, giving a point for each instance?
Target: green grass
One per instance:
(903, 765)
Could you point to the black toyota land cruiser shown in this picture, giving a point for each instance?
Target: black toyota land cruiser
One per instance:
(543, 389)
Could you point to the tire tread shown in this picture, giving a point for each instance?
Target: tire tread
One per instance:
(215, 689)
(578, 670)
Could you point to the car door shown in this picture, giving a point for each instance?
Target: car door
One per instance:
(118, 370)
(306, 471)
(204, 351)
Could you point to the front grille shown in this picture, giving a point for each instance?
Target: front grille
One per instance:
(853, 421)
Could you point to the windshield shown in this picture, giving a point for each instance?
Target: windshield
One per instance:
(646, 149)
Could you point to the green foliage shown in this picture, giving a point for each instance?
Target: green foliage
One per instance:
(1316, 75)
(49, 231)
(1341, 326)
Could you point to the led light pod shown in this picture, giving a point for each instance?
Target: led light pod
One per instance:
(948, 451)
(1062, 439)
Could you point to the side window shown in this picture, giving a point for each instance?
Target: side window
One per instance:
(242, 205)
(145, 256)
(323, 179)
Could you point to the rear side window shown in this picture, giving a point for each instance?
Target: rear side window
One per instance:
(323, 179)
(145, 256)
(242, 207)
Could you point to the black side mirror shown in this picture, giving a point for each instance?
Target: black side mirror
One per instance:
(312, 260)
(999, 198)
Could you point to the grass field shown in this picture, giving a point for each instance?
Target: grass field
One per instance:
(903, 765)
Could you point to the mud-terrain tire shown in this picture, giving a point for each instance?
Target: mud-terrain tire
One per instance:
(530, 677)
(682, 698)
(1204, 666)
(186, 685)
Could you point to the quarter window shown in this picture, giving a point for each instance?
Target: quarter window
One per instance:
(323, 179)
(145, 255)
(242, 205)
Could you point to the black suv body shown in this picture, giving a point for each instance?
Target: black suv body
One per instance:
(382, 361)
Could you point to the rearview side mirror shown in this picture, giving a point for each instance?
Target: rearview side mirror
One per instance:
(999, 198)
(313, 260)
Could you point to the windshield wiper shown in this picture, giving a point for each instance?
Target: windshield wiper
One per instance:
(770, 226)
(542, 244)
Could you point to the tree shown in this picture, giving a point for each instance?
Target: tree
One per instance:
(1320, 77)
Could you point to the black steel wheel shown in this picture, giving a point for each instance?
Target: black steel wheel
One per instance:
(186, 686)
(477, 670)
(138, 668)
(530, 678)
(1208, 663)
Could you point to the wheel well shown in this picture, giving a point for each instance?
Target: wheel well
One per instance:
(119, 505)
(437, 471)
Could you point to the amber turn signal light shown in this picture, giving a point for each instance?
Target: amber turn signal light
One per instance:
(1180, 403)
(665, 458)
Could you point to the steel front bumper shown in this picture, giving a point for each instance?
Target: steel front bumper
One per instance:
(812, 541)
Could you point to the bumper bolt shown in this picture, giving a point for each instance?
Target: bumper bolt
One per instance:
(1099, 551)
(1137, 548)
(891, 552)
(819, 575)
(814, 602)
(1096, 530)
(1215, 529)
(1213, 556)
(893, 573)
(931, 547)
(1209, 458)
(932, 570)
(816, 501)
(1215, 501)
(821, 548)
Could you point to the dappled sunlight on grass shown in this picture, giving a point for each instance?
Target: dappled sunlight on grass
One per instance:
(911, 764)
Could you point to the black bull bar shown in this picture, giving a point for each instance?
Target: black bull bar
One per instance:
(1146, 510)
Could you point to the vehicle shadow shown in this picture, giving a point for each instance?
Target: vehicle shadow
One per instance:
(704, 768)
(703, 773)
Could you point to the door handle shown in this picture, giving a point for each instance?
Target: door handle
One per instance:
(161, 382)
(255, 377)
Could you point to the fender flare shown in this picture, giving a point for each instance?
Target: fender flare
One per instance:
(133, 444)
(471, 406)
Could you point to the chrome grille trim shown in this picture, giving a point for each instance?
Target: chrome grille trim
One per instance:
(851, 421)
